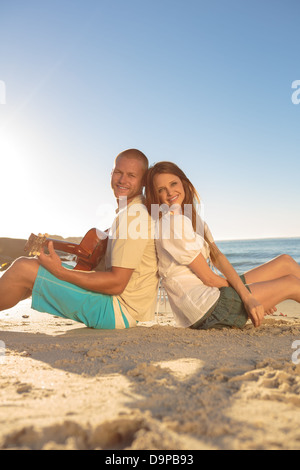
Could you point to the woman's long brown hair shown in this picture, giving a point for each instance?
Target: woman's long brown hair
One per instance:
(191, 195)
(152, 197)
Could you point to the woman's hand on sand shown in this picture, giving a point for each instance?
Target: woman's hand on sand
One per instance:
(51, 262)
(255, 311)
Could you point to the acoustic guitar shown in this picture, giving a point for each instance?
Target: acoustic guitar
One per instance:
(89, 251)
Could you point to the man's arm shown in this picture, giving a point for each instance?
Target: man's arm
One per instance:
(112, 282)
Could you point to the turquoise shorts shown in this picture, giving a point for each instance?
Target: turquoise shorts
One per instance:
(228, 311)
(51, 295)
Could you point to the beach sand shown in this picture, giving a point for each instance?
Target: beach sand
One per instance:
(154, 387)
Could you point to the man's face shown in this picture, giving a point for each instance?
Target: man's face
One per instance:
(127, 178)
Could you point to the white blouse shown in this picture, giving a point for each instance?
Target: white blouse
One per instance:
(177, 246)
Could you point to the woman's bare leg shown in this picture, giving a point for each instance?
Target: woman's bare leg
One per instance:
(270, 293)
(17, 282)
(281, 266)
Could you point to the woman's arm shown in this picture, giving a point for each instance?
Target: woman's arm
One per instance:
(221, 262)
(200, 267)
(255, 310)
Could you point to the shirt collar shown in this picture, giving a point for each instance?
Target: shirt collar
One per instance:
(139, 199)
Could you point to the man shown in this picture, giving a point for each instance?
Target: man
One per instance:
(125, 292)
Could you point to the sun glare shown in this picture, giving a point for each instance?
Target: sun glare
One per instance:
(12, 159)
(13, 183)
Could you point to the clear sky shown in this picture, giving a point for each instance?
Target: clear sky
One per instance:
(204, 83)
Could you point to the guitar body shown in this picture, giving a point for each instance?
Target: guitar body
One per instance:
(89, 251)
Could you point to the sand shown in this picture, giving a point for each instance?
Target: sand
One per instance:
(154, 387)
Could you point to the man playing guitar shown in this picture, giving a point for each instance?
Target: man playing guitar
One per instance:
(118, 297)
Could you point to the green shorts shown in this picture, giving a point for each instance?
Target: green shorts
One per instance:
(51, 295)
(228, 311)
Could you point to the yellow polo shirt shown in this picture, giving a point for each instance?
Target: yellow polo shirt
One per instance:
(131, 245)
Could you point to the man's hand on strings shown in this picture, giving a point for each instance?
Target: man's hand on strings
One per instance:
(52, 261)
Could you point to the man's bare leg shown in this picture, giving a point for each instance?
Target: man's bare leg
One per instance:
(17, 282)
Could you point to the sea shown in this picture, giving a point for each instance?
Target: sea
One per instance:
(248, 254)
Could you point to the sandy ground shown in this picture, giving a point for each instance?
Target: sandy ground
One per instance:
(154, 387)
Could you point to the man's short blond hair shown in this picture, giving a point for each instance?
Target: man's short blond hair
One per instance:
(136, 155)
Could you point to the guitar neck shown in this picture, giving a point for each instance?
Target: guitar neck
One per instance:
(68, 247)
(89, 251)
(62, 245)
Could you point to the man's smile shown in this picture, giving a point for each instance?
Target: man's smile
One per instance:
(122, 188)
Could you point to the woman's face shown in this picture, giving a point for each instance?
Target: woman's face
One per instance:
(169, 189)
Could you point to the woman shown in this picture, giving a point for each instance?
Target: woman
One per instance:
(199, 297)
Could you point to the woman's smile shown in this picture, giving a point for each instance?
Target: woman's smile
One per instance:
(169, 188)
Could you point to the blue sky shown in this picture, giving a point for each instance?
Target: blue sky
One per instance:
(206, 84)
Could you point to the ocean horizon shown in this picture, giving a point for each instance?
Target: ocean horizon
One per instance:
(256, 238)
(247, 254)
